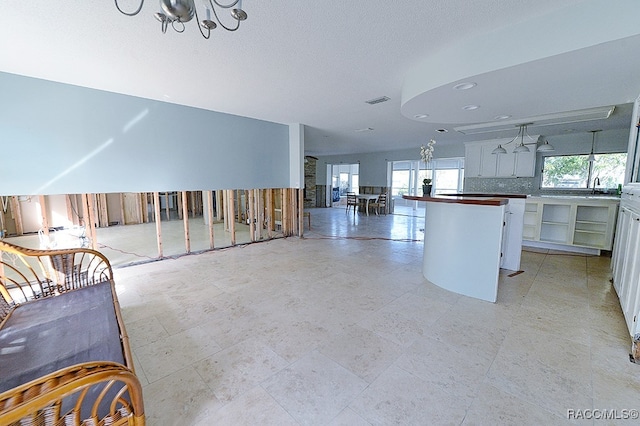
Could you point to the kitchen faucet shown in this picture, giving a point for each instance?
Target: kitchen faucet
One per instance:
(596, 181)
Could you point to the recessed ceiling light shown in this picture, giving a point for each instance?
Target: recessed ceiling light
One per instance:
(441, 130)
(470, 107)
(421, 116)
(501, 117)
(464, 86)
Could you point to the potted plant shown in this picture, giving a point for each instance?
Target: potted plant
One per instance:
(426, 187)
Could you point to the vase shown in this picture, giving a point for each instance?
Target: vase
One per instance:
(426, 190)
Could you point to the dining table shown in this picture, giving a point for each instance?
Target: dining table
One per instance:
(367, 198)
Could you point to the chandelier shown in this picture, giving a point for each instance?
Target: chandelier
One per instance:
(522, 147)
(177, 12)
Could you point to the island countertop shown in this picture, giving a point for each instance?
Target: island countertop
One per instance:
(462, 199)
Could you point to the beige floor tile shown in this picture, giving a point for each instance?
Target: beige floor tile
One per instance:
(494, 407)
(181, 398)
(235, 370)
(165, 356)
(543, 369)
(362, 352)
(254, 407)
(397, 397)
(314, 389)
(441, 366)
(348, 417)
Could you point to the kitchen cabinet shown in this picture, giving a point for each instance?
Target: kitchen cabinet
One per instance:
(556, 219)
(571, 221)
(481, 162)
(531, 226)
(625, 261)
(472, 160)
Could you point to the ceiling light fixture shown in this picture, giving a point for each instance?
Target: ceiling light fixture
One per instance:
(540, 120)
(544, 146)
(177, 12)
(464, 86)
(521, 146)
(470, 107)
(592, 157)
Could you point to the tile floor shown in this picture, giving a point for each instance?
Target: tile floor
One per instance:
(340, 328)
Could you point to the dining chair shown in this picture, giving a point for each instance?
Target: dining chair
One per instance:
(380, 203)
(352, 201)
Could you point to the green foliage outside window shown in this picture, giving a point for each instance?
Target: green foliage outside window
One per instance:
(575, 171)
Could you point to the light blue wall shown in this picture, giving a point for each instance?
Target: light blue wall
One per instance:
(58, 138)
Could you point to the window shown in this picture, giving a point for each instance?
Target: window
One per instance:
(576, 171)
(407, 176)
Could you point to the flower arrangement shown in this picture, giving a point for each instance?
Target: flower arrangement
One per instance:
(426, 181)
(426, 152)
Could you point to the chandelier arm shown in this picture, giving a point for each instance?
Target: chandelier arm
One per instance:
(131, 13)
(223, 6)
(220, 22)
(165, 25)
(173, 25)
(206, 36)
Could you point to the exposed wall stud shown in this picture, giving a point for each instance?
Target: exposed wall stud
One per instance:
(210, 216)
(185, 219)
(158, 220)
(16, 213)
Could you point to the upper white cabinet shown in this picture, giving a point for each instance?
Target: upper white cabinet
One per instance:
(472, 160)
(480, 162)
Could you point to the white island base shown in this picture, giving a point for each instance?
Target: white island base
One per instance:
(463, 244)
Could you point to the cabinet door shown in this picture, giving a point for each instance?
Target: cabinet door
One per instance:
(505, 164)
(489, 162)
(472, 160)
(525, 164)
(620, 249)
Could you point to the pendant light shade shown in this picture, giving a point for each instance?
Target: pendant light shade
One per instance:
(499, 150)
(521, 148)
(544, 146)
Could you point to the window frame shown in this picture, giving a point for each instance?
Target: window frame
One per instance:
(590, 168)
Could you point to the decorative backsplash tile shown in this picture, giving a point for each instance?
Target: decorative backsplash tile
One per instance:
(522, 186)
(500, 185)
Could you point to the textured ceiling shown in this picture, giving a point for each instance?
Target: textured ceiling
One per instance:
(316, 63)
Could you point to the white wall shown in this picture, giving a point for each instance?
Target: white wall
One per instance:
(59, 139)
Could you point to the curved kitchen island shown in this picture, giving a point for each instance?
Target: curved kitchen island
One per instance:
(463, 242)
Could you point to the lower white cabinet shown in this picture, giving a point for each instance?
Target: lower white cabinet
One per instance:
(625, 261)
(574, 221)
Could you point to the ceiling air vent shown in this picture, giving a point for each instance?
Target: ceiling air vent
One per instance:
(377, 100)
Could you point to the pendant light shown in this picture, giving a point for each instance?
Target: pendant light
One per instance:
(521, 146)
(499, 150)
(544, 146)
(592, 157)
